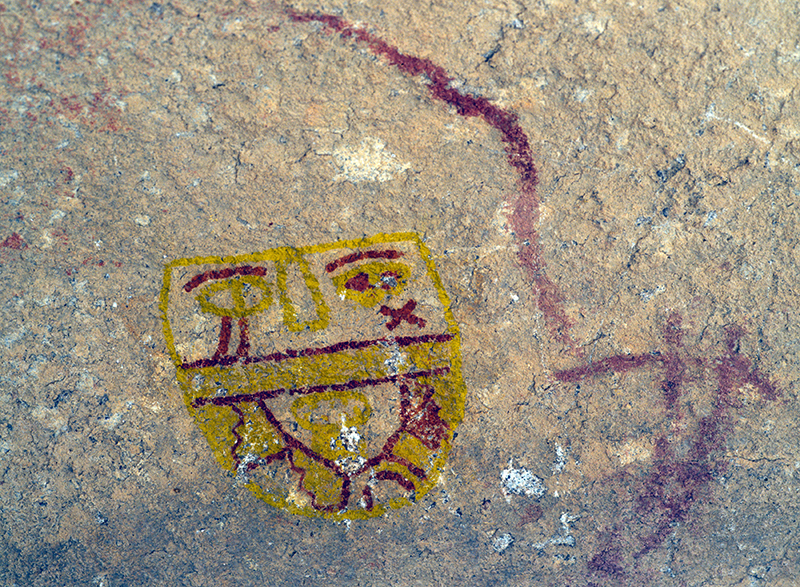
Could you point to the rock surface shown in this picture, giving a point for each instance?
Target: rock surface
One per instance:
(608, 193)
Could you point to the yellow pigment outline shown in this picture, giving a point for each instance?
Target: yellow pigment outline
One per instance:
(452, 411)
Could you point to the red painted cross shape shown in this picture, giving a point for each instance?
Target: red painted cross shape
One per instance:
(405, 313)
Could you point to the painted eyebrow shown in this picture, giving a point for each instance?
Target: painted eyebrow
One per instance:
(223, 274)
(353, 257)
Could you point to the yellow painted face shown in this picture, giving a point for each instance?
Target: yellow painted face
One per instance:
(304, 390)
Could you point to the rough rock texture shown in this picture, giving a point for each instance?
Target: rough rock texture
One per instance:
(627, 318)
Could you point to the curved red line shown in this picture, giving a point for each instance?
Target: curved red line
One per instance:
(358, 256)
(525, 212)
(225, 273)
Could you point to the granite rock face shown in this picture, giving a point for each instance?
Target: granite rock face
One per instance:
(603, 205)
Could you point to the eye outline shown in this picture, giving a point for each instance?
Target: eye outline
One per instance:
(239, 309)
(375, 272)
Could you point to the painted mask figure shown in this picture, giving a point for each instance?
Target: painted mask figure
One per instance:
(325, 378)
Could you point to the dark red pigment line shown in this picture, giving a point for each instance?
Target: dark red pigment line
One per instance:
(237, 436)
(396, 477)
(292, 444)
(618, 363)
(244, 338)
(223, 274)
(404, 314)
(231, 400)
(681, 472)
(227, 360)
(353, 257)
(224, 338)
(518, 153)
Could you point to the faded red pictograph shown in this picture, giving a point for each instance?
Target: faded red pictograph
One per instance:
(683, 464)
(72, 35)
(15, 242)
(525, 213)
(678, 476)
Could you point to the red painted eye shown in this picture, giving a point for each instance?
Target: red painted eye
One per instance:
(359, 283)
(387, 281)
(372, 283)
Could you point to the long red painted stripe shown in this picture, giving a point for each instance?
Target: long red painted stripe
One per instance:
(227, 360)
(518, 152)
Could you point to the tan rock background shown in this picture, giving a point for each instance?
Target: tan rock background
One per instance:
(665, 134)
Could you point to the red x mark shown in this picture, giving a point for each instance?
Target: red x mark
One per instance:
(405, 313)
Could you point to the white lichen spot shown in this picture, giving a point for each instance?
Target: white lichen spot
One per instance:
(395, 361)
(9, 339)
(594, 24)
(581, 94)
(561, 459)
(564, 537)
(501, 220)
(7, 176)
(142, 220)
(649, 294)
(349, 437)
(243, 468)
(56, 215)
(520, 482)
(370, 161)
(502, 542)
(112, 421)
(298, 498)
(50, 418)
(351, 465)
